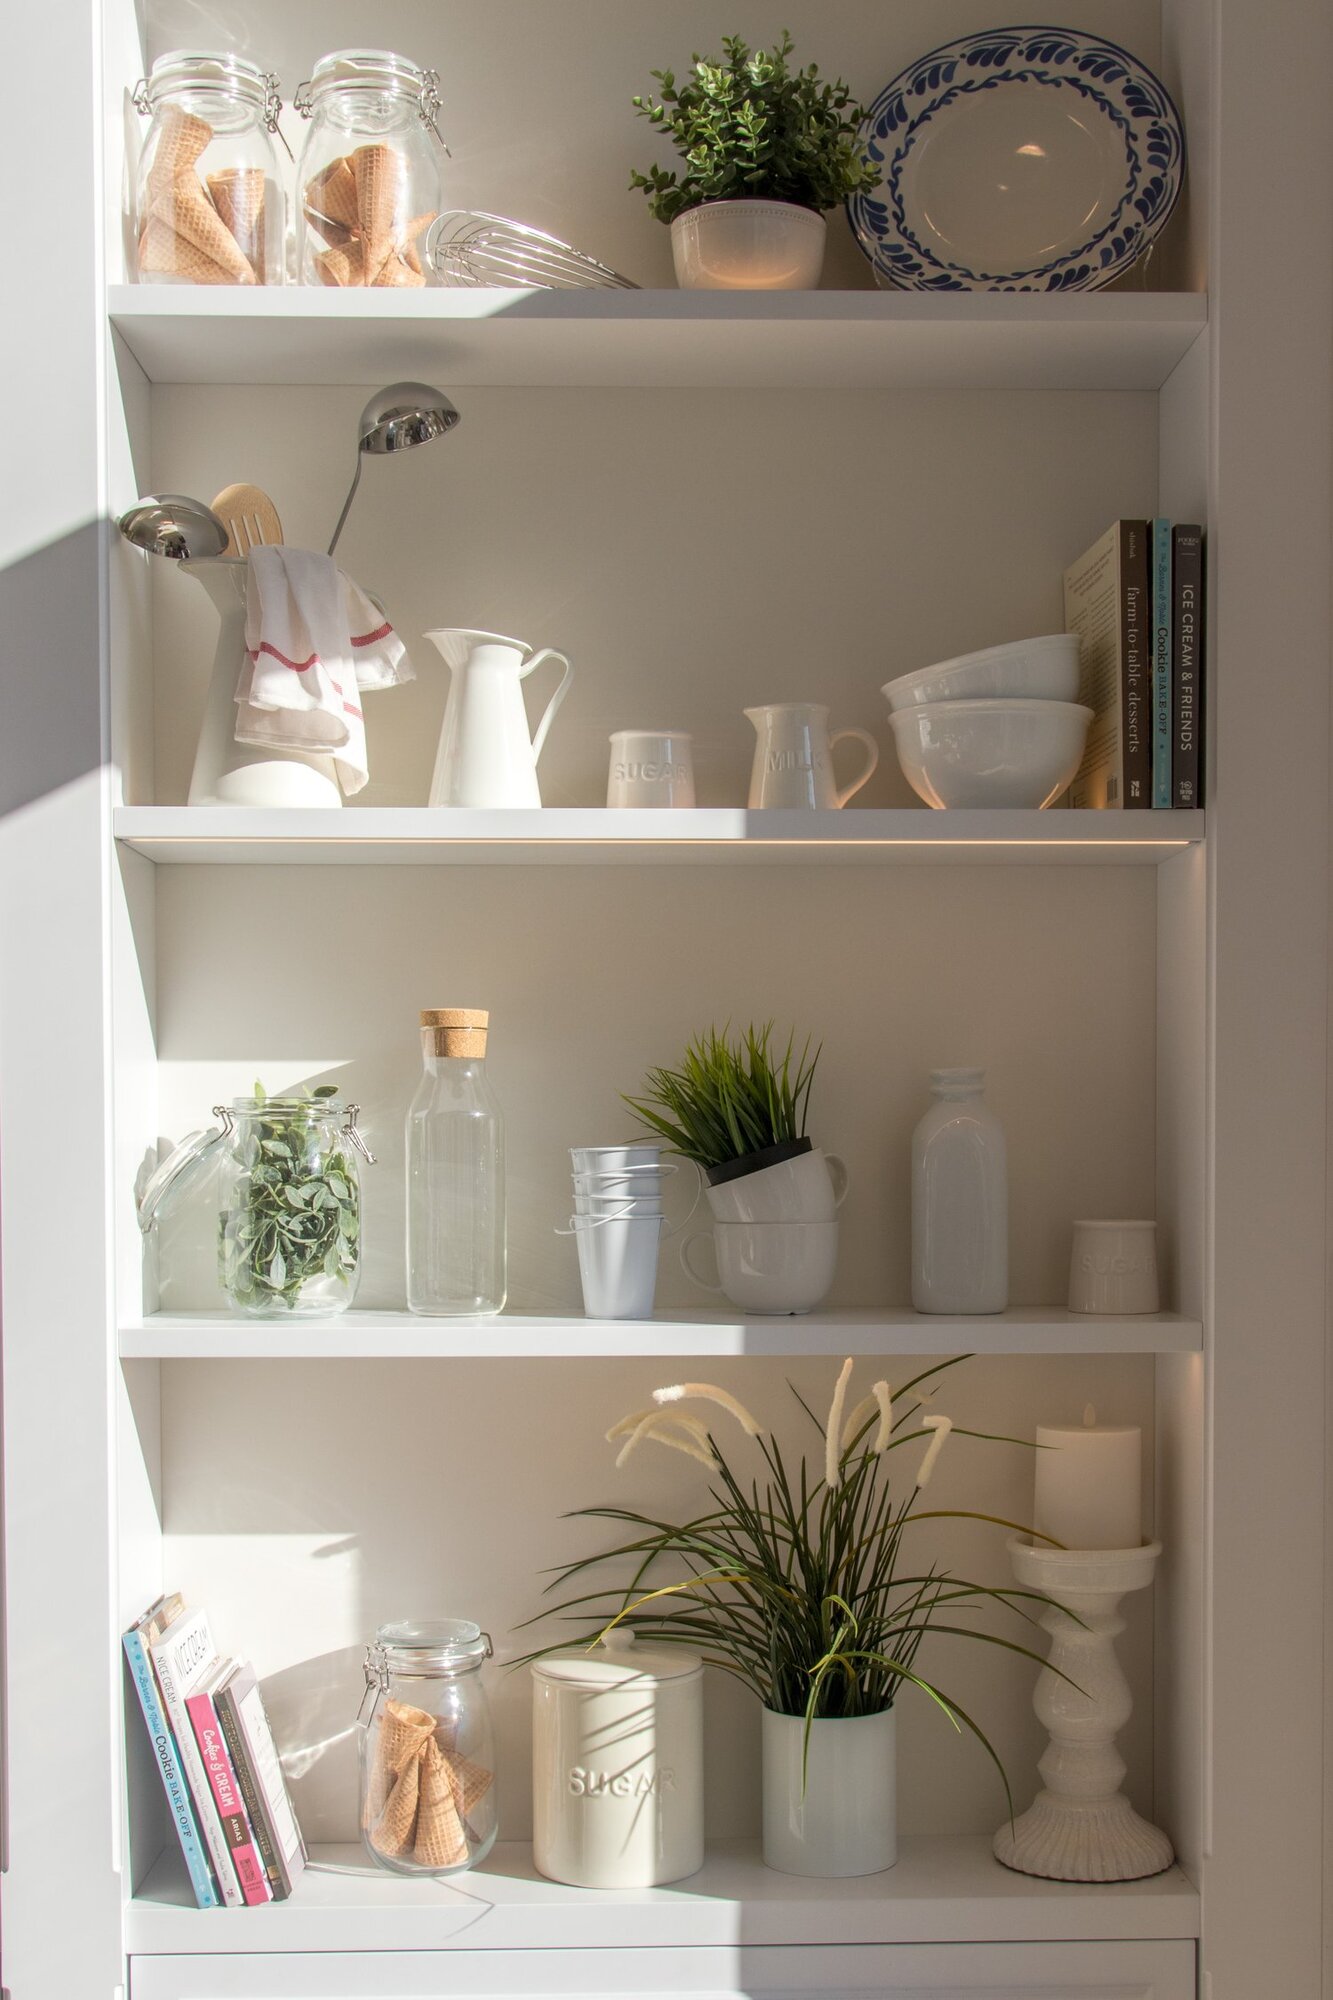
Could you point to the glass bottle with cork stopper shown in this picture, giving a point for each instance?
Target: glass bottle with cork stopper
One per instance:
(455, 1172)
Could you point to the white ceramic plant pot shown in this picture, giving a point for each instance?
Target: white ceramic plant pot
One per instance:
(809, 1187)
(768, 1267)
(748, 246)
(843, 1819)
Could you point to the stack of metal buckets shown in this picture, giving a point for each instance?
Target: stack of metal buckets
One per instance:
(618, 1224)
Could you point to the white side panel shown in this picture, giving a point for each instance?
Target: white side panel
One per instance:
(1271, 527)
(902, 1972)
(60, 1785)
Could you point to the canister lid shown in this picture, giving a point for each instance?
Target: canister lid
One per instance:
(618, 1664)
(431, 1647)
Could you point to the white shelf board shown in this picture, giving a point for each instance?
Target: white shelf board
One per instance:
(659, 339)
(426, 834)
(512, 1336)
(941, 1890)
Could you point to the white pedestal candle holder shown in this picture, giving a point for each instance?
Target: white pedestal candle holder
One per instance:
(1081, 1827)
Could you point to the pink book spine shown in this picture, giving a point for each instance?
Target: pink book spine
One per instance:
(236, 1827)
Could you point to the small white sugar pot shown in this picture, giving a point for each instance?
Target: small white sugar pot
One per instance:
(617, 1765)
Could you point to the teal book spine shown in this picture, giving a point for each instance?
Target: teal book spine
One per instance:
(1162, 791)
(168, 1762)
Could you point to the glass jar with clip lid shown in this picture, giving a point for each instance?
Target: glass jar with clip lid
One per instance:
(209, 206)
(289, 1201)
(427, 1748)
(368, 177)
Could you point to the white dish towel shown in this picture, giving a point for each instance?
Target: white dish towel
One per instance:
(314, 642)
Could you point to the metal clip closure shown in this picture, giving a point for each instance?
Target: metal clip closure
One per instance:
(350, 1131)
(139, 99)
(430, 107)
(376, 1672)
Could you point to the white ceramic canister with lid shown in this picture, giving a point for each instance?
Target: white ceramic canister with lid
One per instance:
(617, 1766)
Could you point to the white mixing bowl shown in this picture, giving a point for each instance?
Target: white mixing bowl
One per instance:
(1027, 670)
(990, 753)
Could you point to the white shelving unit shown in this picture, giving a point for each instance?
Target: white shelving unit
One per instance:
(184, 834)
(661, 340)
(514, 1337)
(940, 1889)
(702, 492)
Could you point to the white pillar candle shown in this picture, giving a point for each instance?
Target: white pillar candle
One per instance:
(1088, 1483)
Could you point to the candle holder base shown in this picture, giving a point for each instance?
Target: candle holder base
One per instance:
(1081, 1827)
(1072, 1841)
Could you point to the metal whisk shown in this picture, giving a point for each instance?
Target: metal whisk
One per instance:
(469, 248)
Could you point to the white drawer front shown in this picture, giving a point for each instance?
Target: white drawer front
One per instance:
(869, 1972)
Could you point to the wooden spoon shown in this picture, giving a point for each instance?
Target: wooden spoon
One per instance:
(250, 518)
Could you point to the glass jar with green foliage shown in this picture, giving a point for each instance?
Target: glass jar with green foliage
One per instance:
(289, 1204)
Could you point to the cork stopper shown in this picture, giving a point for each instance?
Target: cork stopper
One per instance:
(455, 1031)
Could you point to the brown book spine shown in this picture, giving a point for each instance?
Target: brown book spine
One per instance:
(1136, 651)
(253, 1799)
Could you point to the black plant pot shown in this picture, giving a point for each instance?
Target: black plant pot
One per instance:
(754, 1163)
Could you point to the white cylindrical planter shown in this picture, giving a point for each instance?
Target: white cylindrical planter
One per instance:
(833, 1812)
(748, 246)
(617, 1767)
(1081, 1827)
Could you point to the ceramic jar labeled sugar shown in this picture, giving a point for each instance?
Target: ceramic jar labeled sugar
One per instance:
(617, 1755)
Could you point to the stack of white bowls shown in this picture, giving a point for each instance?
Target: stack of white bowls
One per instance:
(617, 1224)
(1002, 727)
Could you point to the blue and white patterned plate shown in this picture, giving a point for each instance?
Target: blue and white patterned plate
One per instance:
(1021, 160)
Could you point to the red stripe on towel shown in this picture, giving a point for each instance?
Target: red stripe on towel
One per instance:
(372, 638)
(297, 666)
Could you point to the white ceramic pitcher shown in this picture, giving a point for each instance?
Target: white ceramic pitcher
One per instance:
(793, 757)
(487, 756)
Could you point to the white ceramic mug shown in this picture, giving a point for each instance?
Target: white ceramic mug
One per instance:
(810, 1187)
(1113, 1268)
(793, 757)
(768, 1267)
(651, 767)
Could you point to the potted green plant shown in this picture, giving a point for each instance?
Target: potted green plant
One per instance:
(767, 148)
(737, 1109)
(806, 1584)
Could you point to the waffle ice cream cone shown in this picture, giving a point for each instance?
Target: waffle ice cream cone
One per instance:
(185, 208)
(181, 139)
(470, 1783)
(379, 191)
(396, 273)
(395, 1831)
(239, 195)
(341, 267)
(399, 1737)
(409, 252)
(162, 253)
(441, 1842)
(329, 200)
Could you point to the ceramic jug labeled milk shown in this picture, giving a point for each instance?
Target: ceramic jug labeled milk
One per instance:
(793, 757)
(487, 757)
